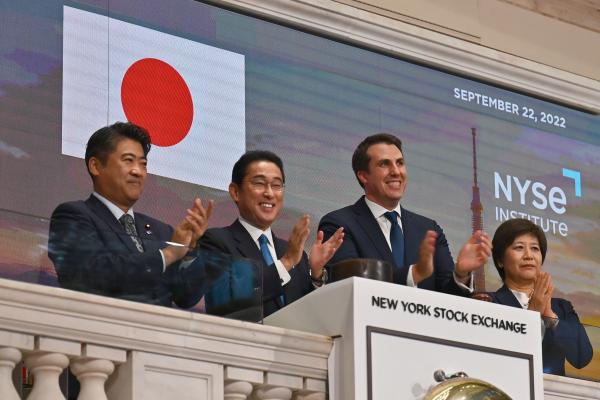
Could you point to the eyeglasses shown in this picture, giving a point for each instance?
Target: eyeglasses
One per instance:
(262, 186)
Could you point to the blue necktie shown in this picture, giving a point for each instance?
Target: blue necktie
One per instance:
(396, 239)
(266, 255)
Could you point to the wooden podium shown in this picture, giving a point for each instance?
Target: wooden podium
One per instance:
(390, 339)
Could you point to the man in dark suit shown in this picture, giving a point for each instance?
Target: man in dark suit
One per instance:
(376, 226)
(257, 188)
(101, 246)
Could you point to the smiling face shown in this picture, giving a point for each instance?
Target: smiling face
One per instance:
(121, 178)
(386, 178)
(522, 261)
(259, 198)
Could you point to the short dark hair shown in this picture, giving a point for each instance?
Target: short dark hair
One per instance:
(240, 168)
(360, 158)
(506, 234)
(104, 141)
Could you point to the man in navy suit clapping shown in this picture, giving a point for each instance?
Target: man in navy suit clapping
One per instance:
(102, 246)
(378, 227)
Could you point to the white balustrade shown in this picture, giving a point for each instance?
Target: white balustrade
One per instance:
(152, 350)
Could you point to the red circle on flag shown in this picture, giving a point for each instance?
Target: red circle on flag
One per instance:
(154, 95)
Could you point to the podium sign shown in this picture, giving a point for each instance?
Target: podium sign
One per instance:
(392, 338)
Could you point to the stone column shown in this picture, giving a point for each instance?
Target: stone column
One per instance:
(268, 392)
(92, 374)
(308, 395)
(237, 390)
(239, 382)
(46, 367)
(9, 357)
(313, 389)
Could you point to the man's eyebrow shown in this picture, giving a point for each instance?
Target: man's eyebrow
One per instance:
(264, 177)
(133, 155)
(257, 176)
(391, 159)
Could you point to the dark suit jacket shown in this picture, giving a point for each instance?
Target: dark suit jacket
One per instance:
(92, 253)
(567, 341)
(236, 241)
(363, 239)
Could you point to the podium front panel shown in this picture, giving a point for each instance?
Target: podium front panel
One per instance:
(393, 338)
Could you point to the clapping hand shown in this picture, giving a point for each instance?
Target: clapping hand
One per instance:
(321, 252)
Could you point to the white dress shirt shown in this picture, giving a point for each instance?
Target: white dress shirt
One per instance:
(255, 233)
(386, 225)
(522, 298)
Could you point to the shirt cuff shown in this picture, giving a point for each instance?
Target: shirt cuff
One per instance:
(543, 327)
(284, 275)
(409, 278)
(550, 323)
(162, 256)
(461, 285)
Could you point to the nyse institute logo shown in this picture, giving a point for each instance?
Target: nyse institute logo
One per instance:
(536, 201)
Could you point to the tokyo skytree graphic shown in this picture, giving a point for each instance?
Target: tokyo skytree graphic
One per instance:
(476, 225)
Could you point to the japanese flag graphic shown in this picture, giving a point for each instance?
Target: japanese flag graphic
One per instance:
(188, 95)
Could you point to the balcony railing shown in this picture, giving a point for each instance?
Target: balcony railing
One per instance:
(150, 352)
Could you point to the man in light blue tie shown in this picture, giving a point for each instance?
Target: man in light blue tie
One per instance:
(376, 226)
(257, 187)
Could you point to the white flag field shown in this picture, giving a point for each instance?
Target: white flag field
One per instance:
(190, 96)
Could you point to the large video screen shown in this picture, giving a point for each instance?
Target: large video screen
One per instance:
(70, 67)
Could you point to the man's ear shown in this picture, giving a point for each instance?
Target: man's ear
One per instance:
(94, 166)
(234, 192)
(361, 177)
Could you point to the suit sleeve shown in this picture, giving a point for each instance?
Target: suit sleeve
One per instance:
(84, 260)
(216, 241)
(212, 242)
(349, 248)
(444, 266)
(571, 337)
(190, 282)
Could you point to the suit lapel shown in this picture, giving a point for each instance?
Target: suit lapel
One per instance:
(243, 242)
(102, 212)
(280, 245)
(247, 248)
(506, 297)
(411, 241)
(372, 230)
(145, 232)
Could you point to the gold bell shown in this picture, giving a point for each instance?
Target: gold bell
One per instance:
(460, 387)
